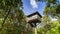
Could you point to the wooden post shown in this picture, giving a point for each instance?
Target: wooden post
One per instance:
(35, 30)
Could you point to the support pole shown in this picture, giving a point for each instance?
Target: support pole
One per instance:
(35, 30)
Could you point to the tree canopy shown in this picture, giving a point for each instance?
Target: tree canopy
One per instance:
(13, 19)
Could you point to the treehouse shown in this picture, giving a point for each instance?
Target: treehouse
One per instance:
(34, 18)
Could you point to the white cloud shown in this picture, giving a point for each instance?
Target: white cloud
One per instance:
(33, 3)
(53, 19)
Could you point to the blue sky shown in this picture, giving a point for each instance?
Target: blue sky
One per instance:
(39, 6)
(28, 8)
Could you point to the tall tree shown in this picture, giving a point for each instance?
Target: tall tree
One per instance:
(52, 7)
(13, 19)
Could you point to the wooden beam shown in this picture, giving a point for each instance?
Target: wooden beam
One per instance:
(35, 30)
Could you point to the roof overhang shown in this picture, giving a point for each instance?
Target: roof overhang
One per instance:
(34, 18)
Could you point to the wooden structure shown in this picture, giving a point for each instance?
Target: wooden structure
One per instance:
(33, 19)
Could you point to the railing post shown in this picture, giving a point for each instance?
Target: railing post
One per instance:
(35, 30)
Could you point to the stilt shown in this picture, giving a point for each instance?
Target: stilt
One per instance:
(35, 30)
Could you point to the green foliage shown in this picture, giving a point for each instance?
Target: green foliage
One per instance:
(52, 8)
(12, 18)
(51, 28)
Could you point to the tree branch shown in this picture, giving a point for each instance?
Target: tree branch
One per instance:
(6, 17)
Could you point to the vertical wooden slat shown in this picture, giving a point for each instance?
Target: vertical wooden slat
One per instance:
(35, 30)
